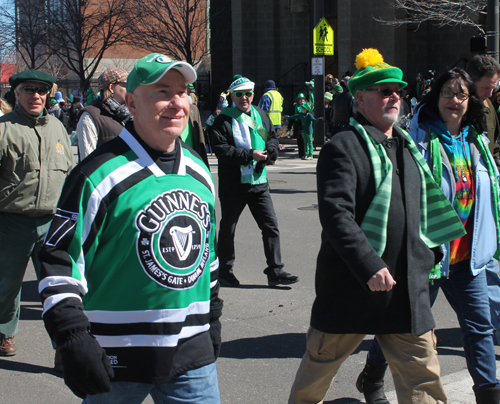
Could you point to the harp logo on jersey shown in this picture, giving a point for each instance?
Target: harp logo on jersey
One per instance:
(172, 243)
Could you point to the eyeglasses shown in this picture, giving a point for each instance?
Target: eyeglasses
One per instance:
(248, 94)
(451, 94)
(387, 92)
(33, 90)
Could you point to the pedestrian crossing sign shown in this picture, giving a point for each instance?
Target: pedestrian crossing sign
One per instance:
(323, 38)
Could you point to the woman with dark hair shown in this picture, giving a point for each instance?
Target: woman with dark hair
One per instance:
(448, 130)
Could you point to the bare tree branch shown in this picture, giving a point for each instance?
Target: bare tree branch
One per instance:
(174, 27)
(439, 12)
(84, 30)
(24, 27)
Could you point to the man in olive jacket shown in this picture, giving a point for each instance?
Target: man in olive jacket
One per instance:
(365, 285)
(35, 159)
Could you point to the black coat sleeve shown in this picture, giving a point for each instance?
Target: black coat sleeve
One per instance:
(343, 197)
(223, 144)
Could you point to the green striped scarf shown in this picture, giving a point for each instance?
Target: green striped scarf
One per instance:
(439, 222)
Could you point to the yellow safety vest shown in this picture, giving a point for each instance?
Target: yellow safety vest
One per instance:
(276, 107)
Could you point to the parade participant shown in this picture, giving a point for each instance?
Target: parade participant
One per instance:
(307, 122)
(129, 271)
(244, 141)
(380, 214)
(272, 103)
(104, 119)
(310, 93)
(297, 125)
(35, 159)
(448, 129)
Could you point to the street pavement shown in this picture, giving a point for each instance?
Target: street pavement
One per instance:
(263, 328)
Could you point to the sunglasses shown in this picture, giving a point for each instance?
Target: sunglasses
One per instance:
(387, 92)
(248, 94)
(33, 90)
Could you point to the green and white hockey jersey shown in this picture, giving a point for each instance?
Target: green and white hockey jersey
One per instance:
(133, 241)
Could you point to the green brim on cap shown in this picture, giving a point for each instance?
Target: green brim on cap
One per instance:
(379, 73)
(150, 69)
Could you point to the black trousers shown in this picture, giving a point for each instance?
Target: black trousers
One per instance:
(262, 209)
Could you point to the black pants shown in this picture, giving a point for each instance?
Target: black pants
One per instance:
(262, 209)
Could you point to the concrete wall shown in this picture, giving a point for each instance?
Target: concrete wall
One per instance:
(269, 39)
(357, 29)
(265, 39)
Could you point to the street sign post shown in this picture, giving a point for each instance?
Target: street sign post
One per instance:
(317, 66)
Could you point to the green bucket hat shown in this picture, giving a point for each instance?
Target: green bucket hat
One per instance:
(306, 106)
(372, 70)
(301, 95)
(338, 88)
(328, 96)
(150, 69)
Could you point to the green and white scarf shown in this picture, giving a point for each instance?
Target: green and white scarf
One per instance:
(439, 222)
(248, 133)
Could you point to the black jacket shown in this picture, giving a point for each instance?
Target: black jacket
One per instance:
(344, 303)
(107, 123)
(231, 157)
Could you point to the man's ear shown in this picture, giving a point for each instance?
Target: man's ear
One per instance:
(130, 100)
(360, 98)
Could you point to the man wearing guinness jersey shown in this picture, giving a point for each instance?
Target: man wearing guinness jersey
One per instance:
(129, 271)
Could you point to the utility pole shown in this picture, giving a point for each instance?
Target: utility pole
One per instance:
(319, 84)
(492, 26)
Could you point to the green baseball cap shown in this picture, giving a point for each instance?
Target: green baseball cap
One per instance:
(150, 69)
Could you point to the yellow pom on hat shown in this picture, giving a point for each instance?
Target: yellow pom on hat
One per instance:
(369, 57)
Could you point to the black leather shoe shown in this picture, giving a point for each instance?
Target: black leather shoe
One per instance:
(371, 383)
(228, 280)
(282, 279)
(488, 396)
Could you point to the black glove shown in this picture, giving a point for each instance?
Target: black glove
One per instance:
(259, 167)
(272, 153)
(215, 335)
(86, 366)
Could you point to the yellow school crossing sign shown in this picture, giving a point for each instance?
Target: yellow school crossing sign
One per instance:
(323, 38)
